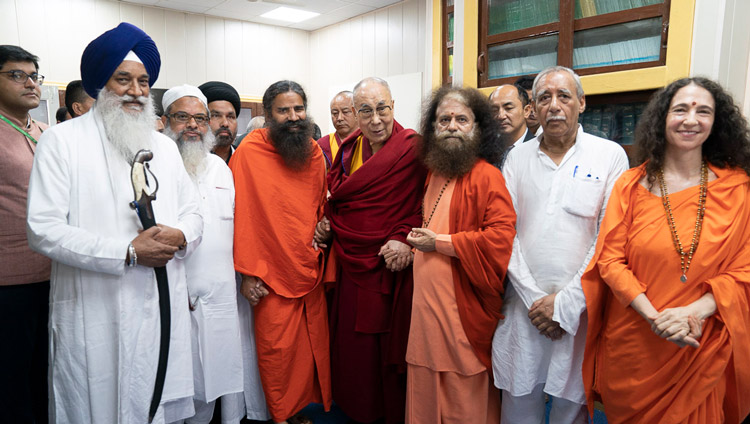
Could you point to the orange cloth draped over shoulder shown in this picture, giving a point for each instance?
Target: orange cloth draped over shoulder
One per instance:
(482, 227)
(276, 210)
(638, 376)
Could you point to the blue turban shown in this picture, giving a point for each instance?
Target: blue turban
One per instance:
(103, 55)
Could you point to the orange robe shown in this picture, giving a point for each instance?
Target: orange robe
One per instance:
(276, 210)
(638, 376)
(448, 382)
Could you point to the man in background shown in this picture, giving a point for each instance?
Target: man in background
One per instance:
(344, 121)
(224, 107)
(76, 99)
(526, 82)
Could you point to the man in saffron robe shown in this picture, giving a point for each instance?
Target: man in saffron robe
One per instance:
(464, 247)
(376, 187)
(280, 185)
(345, 122)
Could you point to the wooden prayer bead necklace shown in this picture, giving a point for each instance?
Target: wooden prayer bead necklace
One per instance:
(442, 190)
(698, 220)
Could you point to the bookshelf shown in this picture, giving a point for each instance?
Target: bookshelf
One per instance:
(521, 37)
(448, 18)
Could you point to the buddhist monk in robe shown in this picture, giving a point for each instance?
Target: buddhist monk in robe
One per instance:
(345, 122)
(464, 247)
(376, 186)
(668, 289)
(279, 176)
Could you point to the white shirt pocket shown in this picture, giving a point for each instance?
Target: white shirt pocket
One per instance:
(583, 196)
(222, 203)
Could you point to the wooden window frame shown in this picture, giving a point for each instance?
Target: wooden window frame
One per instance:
(565, 33)
(447, 45)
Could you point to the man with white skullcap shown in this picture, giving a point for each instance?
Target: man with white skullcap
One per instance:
(212, 288)
(105, 311)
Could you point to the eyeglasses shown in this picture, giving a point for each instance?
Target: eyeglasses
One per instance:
(366, 113)
(20, 77)
(184, 118)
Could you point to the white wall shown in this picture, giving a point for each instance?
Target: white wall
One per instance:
(721, 46)
(194, 48)
(387, 43)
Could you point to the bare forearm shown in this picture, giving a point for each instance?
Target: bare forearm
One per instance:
(644, 307)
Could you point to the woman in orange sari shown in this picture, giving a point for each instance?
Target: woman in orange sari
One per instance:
(668, 289)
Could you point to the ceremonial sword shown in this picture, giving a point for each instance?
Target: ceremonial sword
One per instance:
(142, 206)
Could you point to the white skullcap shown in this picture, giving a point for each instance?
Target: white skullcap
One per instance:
(176, 93)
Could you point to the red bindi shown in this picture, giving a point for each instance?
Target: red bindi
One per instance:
(694, 103)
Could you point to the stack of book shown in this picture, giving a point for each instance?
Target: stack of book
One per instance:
(512, 15)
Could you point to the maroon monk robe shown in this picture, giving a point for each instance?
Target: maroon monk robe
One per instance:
(371, 312)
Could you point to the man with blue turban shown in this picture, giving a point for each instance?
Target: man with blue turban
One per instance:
(104, 306)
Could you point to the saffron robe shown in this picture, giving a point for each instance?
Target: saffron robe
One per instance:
(640, 377)
(475, 222)
(276, 210)
(104, 316)
(372, 305)
(330, 145)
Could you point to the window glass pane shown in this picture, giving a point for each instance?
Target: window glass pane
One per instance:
(522, 57)
(450, 27)
(631, 42)
(450, 62)
(614, 122)
(512, 15)
(586, 8)
(449, 3)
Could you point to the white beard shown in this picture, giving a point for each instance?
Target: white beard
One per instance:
(127, 131)
(193, 152)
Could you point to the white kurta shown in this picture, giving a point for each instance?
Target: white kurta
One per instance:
(104, 316)
(559, 209)
(217, 355)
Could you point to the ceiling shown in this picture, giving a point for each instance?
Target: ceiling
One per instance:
(331, 11)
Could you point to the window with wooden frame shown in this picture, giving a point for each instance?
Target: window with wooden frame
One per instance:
(448, 33)
(522, 37)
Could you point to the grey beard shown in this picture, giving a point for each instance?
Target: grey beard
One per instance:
(127, 132)
(194, 153)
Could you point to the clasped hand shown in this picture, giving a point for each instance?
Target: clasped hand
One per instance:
(157, 245)
(678, 325)
(323, 234)
(422, 239)
(541, 313)
(397, 255)
(253, 289)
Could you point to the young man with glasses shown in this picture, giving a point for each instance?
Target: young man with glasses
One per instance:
(24, 275)
(376, 189)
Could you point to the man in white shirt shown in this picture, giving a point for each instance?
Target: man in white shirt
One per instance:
(212, 291)
(560, 183)
(104, 305)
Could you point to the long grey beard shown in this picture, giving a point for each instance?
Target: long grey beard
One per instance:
(127, 131)
(193, 152)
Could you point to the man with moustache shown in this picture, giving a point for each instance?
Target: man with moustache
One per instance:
(224, 107)
(345, 122)
(463, 248)
(560, 183)
(24, 274)
(212, 292)
(532, 123)
(511, 107)
(279, 177)
(104, 305)
(376, 188)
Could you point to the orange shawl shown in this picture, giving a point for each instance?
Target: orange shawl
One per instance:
(276, 210)
(482, 227)
(639, 377)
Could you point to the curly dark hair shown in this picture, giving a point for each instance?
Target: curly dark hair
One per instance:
(490, 147)
(728, 144)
